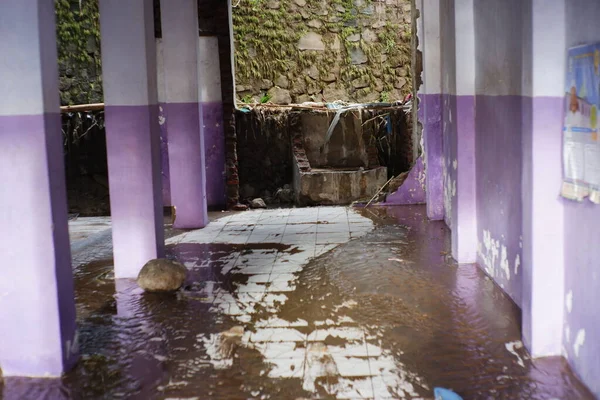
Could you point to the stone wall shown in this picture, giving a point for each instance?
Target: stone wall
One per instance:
(313, 50)
(78, 37)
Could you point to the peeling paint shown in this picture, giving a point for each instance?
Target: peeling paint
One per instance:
(517, 264)
(504, 262)
(449, 192)
(489, 252)
(569, 301)
(455, 164)
(512, 347)
(579, 341)
(567, 334)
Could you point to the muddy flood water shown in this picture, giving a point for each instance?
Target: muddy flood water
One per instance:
(382, 313)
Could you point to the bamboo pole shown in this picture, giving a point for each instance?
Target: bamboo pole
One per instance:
(82, 107)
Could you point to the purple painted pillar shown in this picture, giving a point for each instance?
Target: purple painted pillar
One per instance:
(164, 138)
(182, 112)
(431, 105)
(543, 211)
(37, 309)
(132, 133)
(211, 111)
(464, 229)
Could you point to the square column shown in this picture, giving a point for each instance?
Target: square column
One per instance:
(132, 133)
(431, 105)
(464, 228)
(543, 210)
(37, 308)
(211, 110)
(187, 170)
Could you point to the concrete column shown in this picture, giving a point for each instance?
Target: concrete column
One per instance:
(182, 112)
(211, 110)
(543, 213)
(164, 138)
(37, 309)
(132, 133)
(464, 229)
(431, 104)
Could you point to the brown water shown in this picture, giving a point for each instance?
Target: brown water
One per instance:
(425, 322)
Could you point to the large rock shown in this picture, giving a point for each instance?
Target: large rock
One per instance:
(278, 95)
(162, 275)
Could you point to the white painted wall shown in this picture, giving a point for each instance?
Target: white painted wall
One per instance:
(209, 70)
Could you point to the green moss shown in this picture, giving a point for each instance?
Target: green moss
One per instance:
(266, 44)
(78, 37)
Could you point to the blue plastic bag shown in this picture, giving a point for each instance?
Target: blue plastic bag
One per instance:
(445, 394)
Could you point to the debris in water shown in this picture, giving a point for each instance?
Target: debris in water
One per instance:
(445, 394)
(512, 347)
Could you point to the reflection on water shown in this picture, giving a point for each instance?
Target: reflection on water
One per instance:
(384, 316)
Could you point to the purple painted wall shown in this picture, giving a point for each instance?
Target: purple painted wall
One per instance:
(164, 156)
(582, 234)
(434, 147)
(214, 144)
(498, 152)
(448, 63)
(188, 169)
(412, 190)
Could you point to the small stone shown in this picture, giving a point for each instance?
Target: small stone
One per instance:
(258, 203)
(379, 24)
(282, 81)
(336, 45)
(266, 84)
(300, 3)
(360, 83)
(402, 72)
(311, 41)
(353, 38)
(400, 82)
(162, 275)
(273, 4)
(303, 98)
(333, 93)
(329, 78)
(285, 195)
(369, 97)
(369, 36)
(313, 89)
(312, 72)
(241, 88)
(322, 11)
(314, 23)
(358, 56)
(279, 95)
(239, 207)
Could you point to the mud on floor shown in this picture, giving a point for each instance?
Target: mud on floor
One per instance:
(385, 315)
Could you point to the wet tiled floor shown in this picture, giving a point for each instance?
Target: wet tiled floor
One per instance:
(302, 303)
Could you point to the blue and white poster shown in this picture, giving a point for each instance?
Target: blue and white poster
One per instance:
(581, 148)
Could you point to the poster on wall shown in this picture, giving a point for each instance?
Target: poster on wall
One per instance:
(581, 147)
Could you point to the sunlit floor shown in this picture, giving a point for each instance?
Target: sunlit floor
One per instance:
(326, 303)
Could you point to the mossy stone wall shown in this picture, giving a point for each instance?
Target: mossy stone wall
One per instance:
(322, 50)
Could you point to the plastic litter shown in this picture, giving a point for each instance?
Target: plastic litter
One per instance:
(445, 394)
